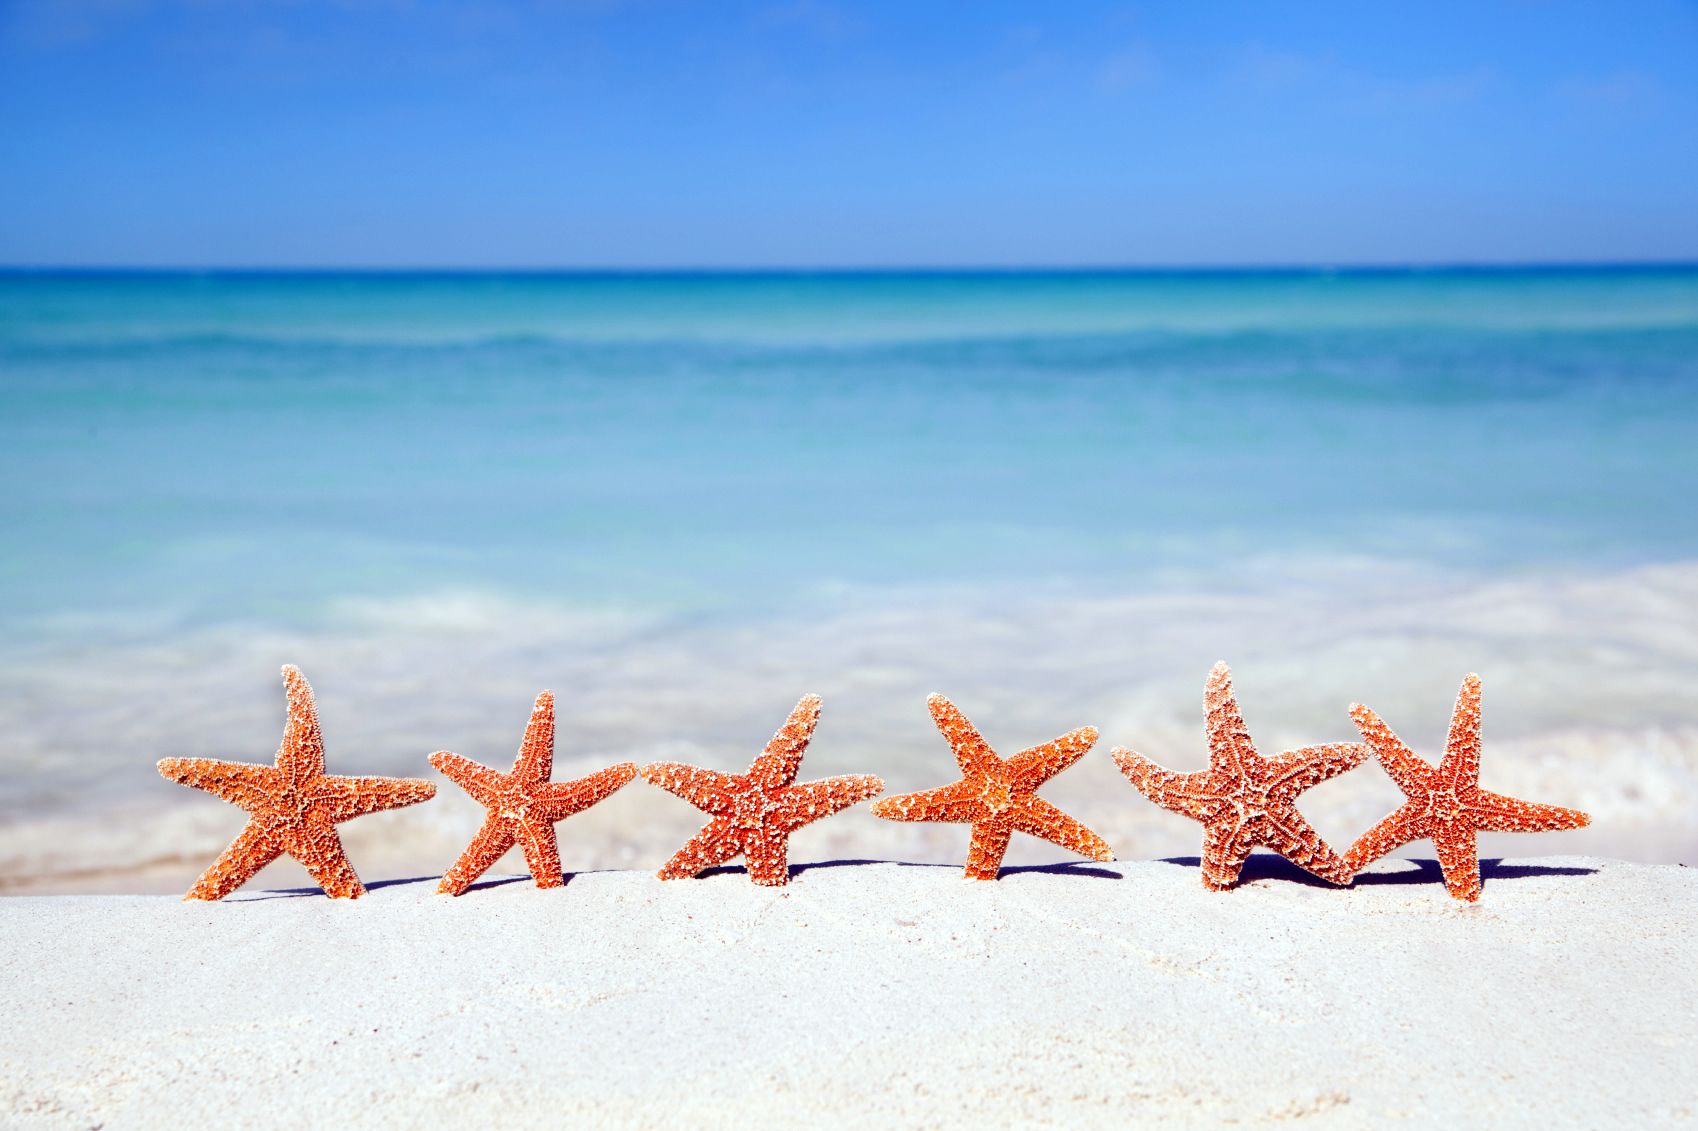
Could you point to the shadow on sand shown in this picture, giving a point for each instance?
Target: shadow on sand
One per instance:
(1428, 872)
(1260, 866)
(1268, 866)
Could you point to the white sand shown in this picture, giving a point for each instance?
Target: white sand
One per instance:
(876, 995)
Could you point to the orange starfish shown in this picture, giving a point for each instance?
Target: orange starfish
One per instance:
(1244, 799)
(293, 806)
(1447, 804)
(523, 804)
(999, 796)
(755, 813)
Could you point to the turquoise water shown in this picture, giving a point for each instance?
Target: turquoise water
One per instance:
(192, 448)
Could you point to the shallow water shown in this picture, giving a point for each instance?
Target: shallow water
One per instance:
(683, 501)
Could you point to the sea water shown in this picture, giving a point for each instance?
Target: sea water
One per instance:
(685, 499)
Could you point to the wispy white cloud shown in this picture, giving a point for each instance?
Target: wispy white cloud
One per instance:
(813, 17)
(1623, 88)
(1434, 91)
(1131, 66)
(1272, 68)
(1267, 69)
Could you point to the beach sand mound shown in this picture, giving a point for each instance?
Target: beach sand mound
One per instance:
(866, 994)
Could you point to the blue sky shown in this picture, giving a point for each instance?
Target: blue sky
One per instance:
(812, 133)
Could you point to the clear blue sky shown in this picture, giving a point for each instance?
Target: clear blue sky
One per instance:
(821, 132)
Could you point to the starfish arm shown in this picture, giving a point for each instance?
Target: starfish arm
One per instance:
(766, 853)
(347, 798)
(1297, 770)
(958, 801)
(1459, 859)
(1461, 763)
(1299, 843)
(476, 779)
(984, 851)
(777, 765)
(536, 750)
(1031, 768)
(494, 838)
(810, 801)
(708, 790)
(1394, 830)
(1405, 767)
(320, 852)
(236, 865)
(1190, 795)
(972, 753)
(239, 783)
(1037, 817)
(715, 844)
(302, 754)
(560, 799)
(542, 851)
(1230, 747)
(1224, 853)
(1493, 812)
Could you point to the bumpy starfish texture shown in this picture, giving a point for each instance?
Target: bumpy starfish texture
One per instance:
(998, 796)
(293, 806)
(523, 804)
(1244, 799)
(1447, 804)
(755, 813)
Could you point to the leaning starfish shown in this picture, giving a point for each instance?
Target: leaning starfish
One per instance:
(755, 813)
(523, 804)
(1447, 804)
(1244, 799)
(293, 806)
(999, 795)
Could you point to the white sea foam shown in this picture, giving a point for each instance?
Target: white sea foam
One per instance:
(1587, 694)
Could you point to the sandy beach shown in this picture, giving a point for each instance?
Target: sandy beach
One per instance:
(867, 994)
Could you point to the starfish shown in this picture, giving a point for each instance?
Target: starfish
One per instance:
(1244, 799)
(999, 795)
(755, 813)
(293, 806)
(1447, 804)
(523, 804)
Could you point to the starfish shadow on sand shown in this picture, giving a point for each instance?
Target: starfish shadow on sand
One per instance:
(1061, 869)
(1268, 866)
(480, 885)
(1261, 866)
(1428, 872)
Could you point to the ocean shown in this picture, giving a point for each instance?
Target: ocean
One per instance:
(684, 500)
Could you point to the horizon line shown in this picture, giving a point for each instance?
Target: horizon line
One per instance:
(1362, 267)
